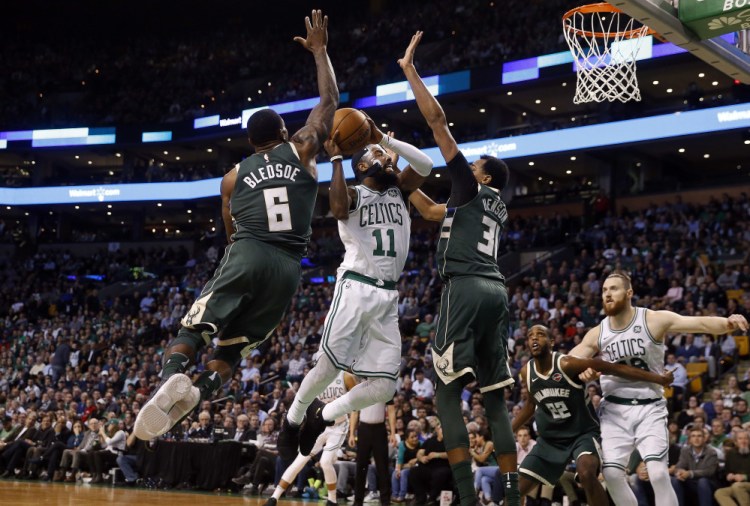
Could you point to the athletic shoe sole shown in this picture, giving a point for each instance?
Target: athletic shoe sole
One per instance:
(154, 418)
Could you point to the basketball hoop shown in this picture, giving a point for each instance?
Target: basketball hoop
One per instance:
(605, 43)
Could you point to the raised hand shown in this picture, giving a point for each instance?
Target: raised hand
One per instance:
(331, 146)
(408, 58)
(317, 32)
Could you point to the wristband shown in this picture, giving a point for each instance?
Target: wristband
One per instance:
(336, 158)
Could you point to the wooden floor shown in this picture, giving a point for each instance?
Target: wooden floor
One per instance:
(28, 493)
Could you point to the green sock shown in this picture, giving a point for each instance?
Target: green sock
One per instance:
(208, 383)
(176, 363)
(510, 485)
(464, 483)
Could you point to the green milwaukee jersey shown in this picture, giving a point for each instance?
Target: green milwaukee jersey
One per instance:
(470, 236)
(274, 198)
(563, 407)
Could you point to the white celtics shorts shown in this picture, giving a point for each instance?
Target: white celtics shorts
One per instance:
(332, 438)
(361, 332)
(633, 427)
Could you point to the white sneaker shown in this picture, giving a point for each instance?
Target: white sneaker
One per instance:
(160, 413)
(372, 497)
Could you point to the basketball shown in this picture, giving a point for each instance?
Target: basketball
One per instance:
(353, 130)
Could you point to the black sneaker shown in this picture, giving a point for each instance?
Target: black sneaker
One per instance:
(288, 442)
(313, 427)
(270, 502)
(330, 503)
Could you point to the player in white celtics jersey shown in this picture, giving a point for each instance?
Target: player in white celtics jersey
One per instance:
(633, 414)
(361, 331)
(328, 442)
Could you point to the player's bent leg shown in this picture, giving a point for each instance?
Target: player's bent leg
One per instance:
(658, 475)
(366, 393)
(319, 415)
(505, 443)
(181, 352)
(314, 383)
(588, 474)
(617, 485)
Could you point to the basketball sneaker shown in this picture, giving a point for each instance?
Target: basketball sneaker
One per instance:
(270, 502)
(174, 399)
(313, 426)
(288, 441)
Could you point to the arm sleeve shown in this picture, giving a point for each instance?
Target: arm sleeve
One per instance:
(464, 186)
(421, 163)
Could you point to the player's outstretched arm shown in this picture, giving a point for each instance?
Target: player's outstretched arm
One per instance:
(428, 105)
(420, 165)
(427, 207)
(339, 196)
(309, 139)
(227, 187)
(574, 366)
(528, 408)
(661, 322)
(589, 345)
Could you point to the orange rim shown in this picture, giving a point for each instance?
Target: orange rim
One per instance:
(603, 7)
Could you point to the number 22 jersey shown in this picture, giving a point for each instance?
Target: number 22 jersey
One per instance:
(563, 407)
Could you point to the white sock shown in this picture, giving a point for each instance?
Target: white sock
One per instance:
(278, 492)
(313, 385)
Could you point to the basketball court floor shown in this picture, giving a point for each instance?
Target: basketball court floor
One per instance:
(32, 493)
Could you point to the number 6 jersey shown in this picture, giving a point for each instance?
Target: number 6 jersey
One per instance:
(376, 235)
(563, 407)
(632, 346)
(274, 198)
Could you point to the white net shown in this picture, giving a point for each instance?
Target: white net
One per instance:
(605, 47)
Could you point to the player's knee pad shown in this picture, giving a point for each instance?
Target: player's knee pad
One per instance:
(497, 416)
(193, 338)
(658, 471)
(232, 351)
(327, 460)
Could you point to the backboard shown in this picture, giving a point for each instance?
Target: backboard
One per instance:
(661, 16)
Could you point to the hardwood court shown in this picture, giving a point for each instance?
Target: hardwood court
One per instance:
(31, 493)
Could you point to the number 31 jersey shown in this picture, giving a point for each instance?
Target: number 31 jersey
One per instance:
(633, 346)
(470, 236)
(563, 407)
(273, 199)
(376, 235)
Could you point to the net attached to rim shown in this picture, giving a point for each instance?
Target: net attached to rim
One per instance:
(605, 43)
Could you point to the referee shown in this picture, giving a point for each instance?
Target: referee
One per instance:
(372, 441)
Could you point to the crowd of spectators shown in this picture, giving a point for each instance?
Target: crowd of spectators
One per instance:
(171, 75)
(75, 353)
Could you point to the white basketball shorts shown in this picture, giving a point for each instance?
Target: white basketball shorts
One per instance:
(632, 427)
(361, 332)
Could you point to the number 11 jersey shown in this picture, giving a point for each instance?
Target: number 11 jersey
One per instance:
(376, 235)
(563, 408)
